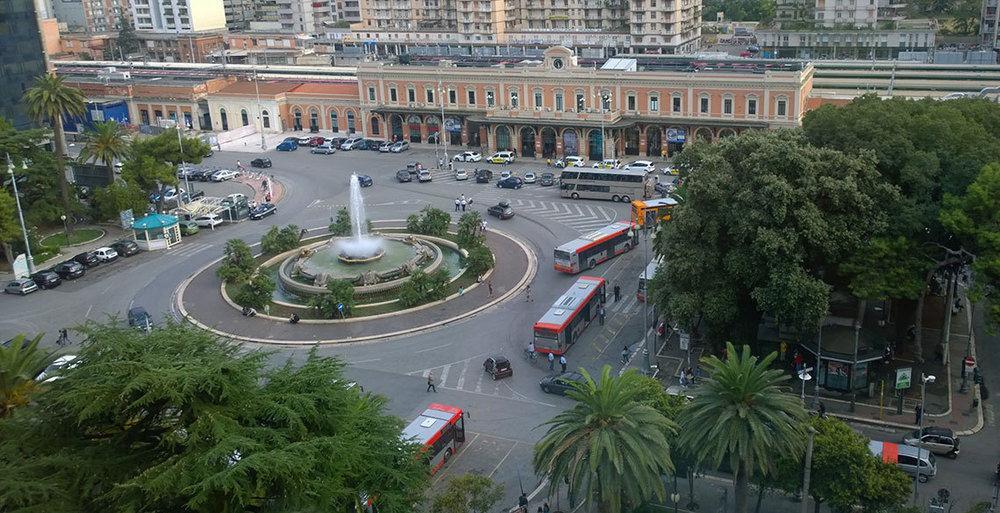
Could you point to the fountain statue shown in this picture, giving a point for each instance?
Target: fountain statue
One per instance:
(360, 247)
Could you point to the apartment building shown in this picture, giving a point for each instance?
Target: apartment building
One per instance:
(240, 13)
(655, 26)
(91, 16)
(173, 16)
(990, 23)
(22, 58)
(306, 16)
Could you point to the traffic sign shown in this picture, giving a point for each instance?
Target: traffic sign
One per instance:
(904, 377)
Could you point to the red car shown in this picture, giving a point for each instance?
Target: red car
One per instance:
(316, 141)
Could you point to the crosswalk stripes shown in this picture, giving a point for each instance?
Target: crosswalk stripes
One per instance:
(188, 248)
(467, 376)
(580, 217)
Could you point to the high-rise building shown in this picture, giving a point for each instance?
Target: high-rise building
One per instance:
(306, 16)
(178, 15)
(21, 58)
(240, 13)
(91, 16)
(990, 23)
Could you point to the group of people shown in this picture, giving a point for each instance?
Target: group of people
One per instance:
(522, 505)
(461, 202)
(687, 377)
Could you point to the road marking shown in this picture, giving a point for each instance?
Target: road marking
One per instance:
(364, 361)
(433, 348)
(461, 376)
(92, 307)
(502, 459)
(444, 374)
(479, 383)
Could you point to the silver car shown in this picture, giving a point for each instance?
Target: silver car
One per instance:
(22, 286)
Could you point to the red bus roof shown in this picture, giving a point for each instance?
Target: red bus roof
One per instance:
(426, 428)
(556, 317)
(595, 237)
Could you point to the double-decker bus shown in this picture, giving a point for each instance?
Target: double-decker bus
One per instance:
(440, 429)
(595, 247)
(651, 212)
(564, 323)
(606, 184)
(644, 277)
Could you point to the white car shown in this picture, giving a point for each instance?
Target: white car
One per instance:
(424, 176)
(399, 147)
(571, 161)
(505, 174)
(608, 164)
(529, 177)
(106, 254)
(224, 174)
(236, 198)
(468, 156)
(642, 165)
(502, 157)
(208, 220)
(670, 170)
(171, 194)
(51, 373)
(461, 174)
(351, 143)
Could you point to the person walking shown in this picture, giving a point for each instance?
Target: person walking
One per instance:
(464, 203)
(918, 414)
(562, 362)
(546, 508)
(522, 503)
(618, 293)
(458, 203)
(552, 361)
(601, 313)
(489, 287)
(625, 354)
(430, 383)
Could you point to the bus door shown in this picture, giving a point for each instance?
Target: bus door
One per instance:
(460, 429)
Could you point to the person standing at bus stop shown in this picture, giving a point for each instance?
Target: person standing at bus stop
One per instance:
(552, 361)
(562, 362)
(618, 293)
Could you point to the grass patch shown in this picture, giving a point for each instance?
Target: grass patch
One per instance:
(77, 237)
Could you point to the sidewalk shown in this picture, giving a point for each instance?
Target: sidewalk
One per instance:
(112, 233)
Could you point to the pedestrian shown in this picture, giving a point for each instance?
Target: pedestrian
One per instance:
(618, 293)
(784, 350)
(822, 410)
(601, 313)
(562, 362)
(539, 509)
(267, 198)
(797, 361)
(464, 203)
(683, 380)
(484, 226)
(457, 203)
(489, 287)
(239, 165)
(918, 414)
(527, 293)
(462, 197)
(430, 383)
(522, 503)
(552, 361)
(625, 354)
(545, 508)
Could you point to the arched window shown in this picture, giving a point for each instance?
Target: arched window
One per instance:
(751, 106)
(224, 119)
(244, 118)
(375, 127)
(313, 120)
(350, 122)
(265, 119)
(298, 119)
(333, 122)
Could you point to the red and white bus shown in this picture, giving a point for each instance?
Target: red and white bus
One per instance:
(644, 277)
(441, 430)
(595, 247)
(563, 324)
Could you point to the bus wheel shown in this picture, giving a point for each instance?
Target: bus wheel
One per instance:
(615, 198)
(626, 199)
(447, 454)
(574, 196)
(593, 264)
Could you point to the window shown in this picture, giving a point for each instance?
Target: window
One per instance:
(375, 126)
(675, 105)
(752, 107)
(559, 102)
(350, 122)
(654, 103)
(265, 119)
(244, 118)
(452, 96)
(703, 105)
(334, 126)
(224, 119)
(538, 99)
(472, 97)
(513, 99)
(727, 106)
(314, 120)
(490, 99)
(411, 95)
(580, 104)
(631, 102)
(782, 107)
(430, 96)
(371, 94)
(392, 95)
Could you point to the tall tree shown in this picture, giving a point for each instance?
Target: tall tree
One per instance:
(48, 101)
(127, 40)
(469, 493)
(742, 418)
(37, 183)
(179, 420)
(611, 448)
(20, 362)
(10, 230)
(151, 162)
(238, 264)
(104, 143)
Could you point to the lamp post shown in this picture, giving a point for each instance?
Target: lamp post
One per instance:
(605, 100)
(924, 380)
(442, 126)
(20, 213)
(260, 119)
(65, 228)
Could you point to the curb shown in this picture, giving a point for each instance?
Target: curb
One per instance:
(103, 234)
(975, 388)
(532, 270)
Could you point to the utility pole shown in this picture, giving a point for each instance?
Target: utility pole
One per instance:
(807, 470)
(819, 356)
(948, 305)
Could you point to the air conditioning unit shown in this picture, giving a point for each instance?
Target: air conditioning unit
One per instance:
(111, 73)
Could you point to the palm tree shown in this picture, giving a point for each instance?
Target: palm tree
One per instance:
(20, 362)
(740, 416)
(610, 447)
(104, 143)
(49, 100)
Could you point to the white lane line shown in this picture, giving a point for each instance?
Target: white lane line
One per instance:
(364, 361)
(494, 471)
(433, 348)
(479, 384)
(444, 374)
(592, 214)
(461, 376)
(578, 211)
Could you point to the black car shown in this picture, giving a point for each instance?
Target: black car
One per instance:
(365, 181)
(484, 176)
(337, 141)
(260, 162)
(373, 144)
(511, 182)
(498, 367)
(201, 175)
(501, 210)
(560, 384)
(403, 176)
(46, 279)
(87, 258)
(138, 317)
(547, 179)
(263, 210)
(664, 188)
(69, 270)
(125, 248)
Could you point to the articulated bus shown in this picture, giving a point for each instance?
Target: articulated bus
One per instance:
(441, 430)
(596, 247)
(606, 184)
(564, 323)
(651, 212)
(644, 277)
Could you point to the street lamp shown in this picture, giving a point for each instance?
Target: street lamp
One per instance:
(804, 376)
(605, 100)
(65, 228)
(441, 128)
(924, 380)
(20, 213)
(260, 118)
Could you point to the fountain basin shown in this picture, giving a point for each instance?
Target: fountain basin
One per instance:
(348, 259)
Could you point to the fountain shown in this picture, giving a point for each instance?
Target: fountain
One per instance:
(361, 247)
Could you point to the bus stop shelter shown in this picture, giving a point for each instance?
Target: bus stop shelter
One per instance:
(156, 231)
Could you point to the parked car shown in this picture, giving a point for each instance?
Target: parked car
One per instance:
(185, 171)
(365, 181)
(547, 179)
(208, 220)
(938, 440)
(317, 141)
(188, 228)
(200, 175)
(671, 170)
(138, 317)
(413, 167)
(664, 188)
(52, 371)
(561, 383)
(263, 210)
(502, 157)
(642, 165)
(106, 254)
(292, 139)
(498, 367)
(484, 176)
(529, 177)
(354, 143)
(126, 248)
(304, 140)
(224, 174)
(400, 146)
(905, 458)
(512, 182)
(262, 162)
(468, 156)
(235, 198)
(188, 197)
(403, 176)
(46, 279)
(608, 164)
(20, 286)
(505, 174)
(171, 194)
(424, 176)
(461, 174)
(288, 146)
(70, 270)
(385, 147)
(337, 141)
(373, 144)
(87, 259)
(571, 161)
(324, 149)
(501, 210)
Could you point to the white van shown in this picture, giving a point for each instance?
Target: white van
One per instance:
(905, 458)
